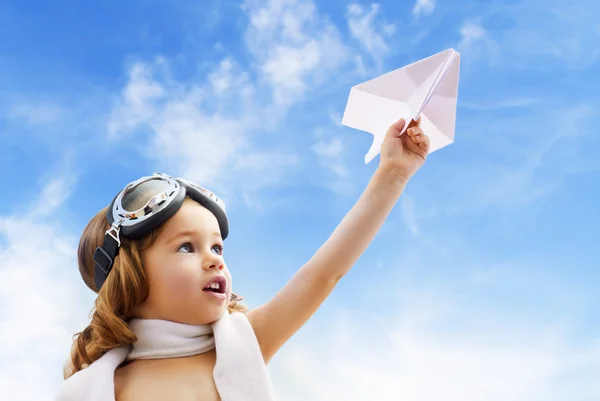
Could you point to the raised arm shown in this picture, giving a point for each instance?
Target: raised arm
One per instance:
(276, 321)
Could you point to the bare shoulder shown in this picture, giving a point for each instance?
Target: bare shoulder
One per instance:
(122, 374)
(177, 379)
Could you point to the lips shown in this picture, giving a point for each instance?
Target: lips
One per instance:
(217, 285)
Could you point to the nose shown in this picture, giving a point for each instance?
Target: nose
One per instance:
(213, 262)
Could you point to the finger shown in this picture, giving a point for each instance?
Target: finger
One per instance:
(398, 125)
(421, 139)
(417, 138)
(414, 131)
(410, 145)
(396, 128)
(424, 143)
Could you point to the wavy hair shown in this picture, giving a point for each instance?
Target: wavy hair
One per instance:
(125, 288)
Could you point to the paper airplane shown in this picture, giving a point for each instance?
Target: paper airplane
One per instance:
(426, 88)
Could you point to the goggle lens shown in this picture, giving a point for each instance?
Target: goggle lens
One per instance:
(137, 196)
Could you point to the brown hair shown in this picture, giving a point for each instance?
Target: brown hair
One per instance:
(125, 288)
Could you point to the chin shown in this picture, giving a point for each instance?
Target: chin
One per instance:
(207, 315)
(216, 316)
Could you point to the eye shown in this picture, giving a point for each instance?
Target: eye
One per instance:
(186, 248)
(218, 248)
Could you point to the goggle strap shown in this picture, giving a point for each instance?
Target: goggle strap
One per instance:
(104, 258)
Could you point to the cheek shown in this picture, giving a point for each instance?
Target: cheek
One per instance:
(180, 281)
(229, 283)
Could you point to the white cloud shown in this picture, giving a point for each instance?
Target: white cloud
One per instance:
(415, 214)
(36, 112)
(429, 347)
(522, 165)
(271, 166)
(200, 130)
(58, 122)
(228, 78)
(330, 153)
(502, 104)
(330, 150)
(471, 33)
(407, 207)
(477, 43)
(563, 37)
(364, 27)
(42, 301)
(136, 104)
(198, 144)
(54, 193)
(294, 46)
(288, 65)
(423, 7)
(205, 128)
(566, 32)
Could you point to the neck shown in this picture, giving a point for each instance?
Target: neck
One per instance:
(159, 339)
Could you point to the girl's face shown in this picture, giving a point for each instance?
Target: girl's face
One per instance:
(182, 265)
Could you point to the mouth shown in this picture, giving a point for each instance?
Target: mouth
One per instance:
(217, 285)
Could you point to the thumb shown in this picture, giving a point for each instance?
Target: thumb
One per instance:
(395, 129)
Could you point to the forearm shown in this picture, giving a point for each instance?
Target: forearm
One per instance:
(358, 228)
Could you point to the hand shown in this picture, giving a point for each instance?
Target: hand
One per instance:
(404, 154)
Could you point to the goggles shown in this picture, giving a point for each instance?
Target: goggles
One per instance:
(144, 205)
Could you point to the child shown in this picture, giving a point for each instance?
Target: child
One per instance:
(160, 329)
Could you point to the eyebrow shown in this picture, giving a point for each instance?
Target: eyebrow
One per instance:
(189, 233)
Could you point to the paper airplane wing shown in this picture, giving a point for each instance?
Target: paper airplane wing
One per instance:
(371, 113)
(403, 93)
(441, 108)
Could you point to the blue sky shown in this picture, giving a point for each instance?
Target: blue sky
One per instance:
(482, 284)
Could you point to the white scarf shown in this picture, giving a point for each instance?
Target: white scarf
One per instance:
(240, 373)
